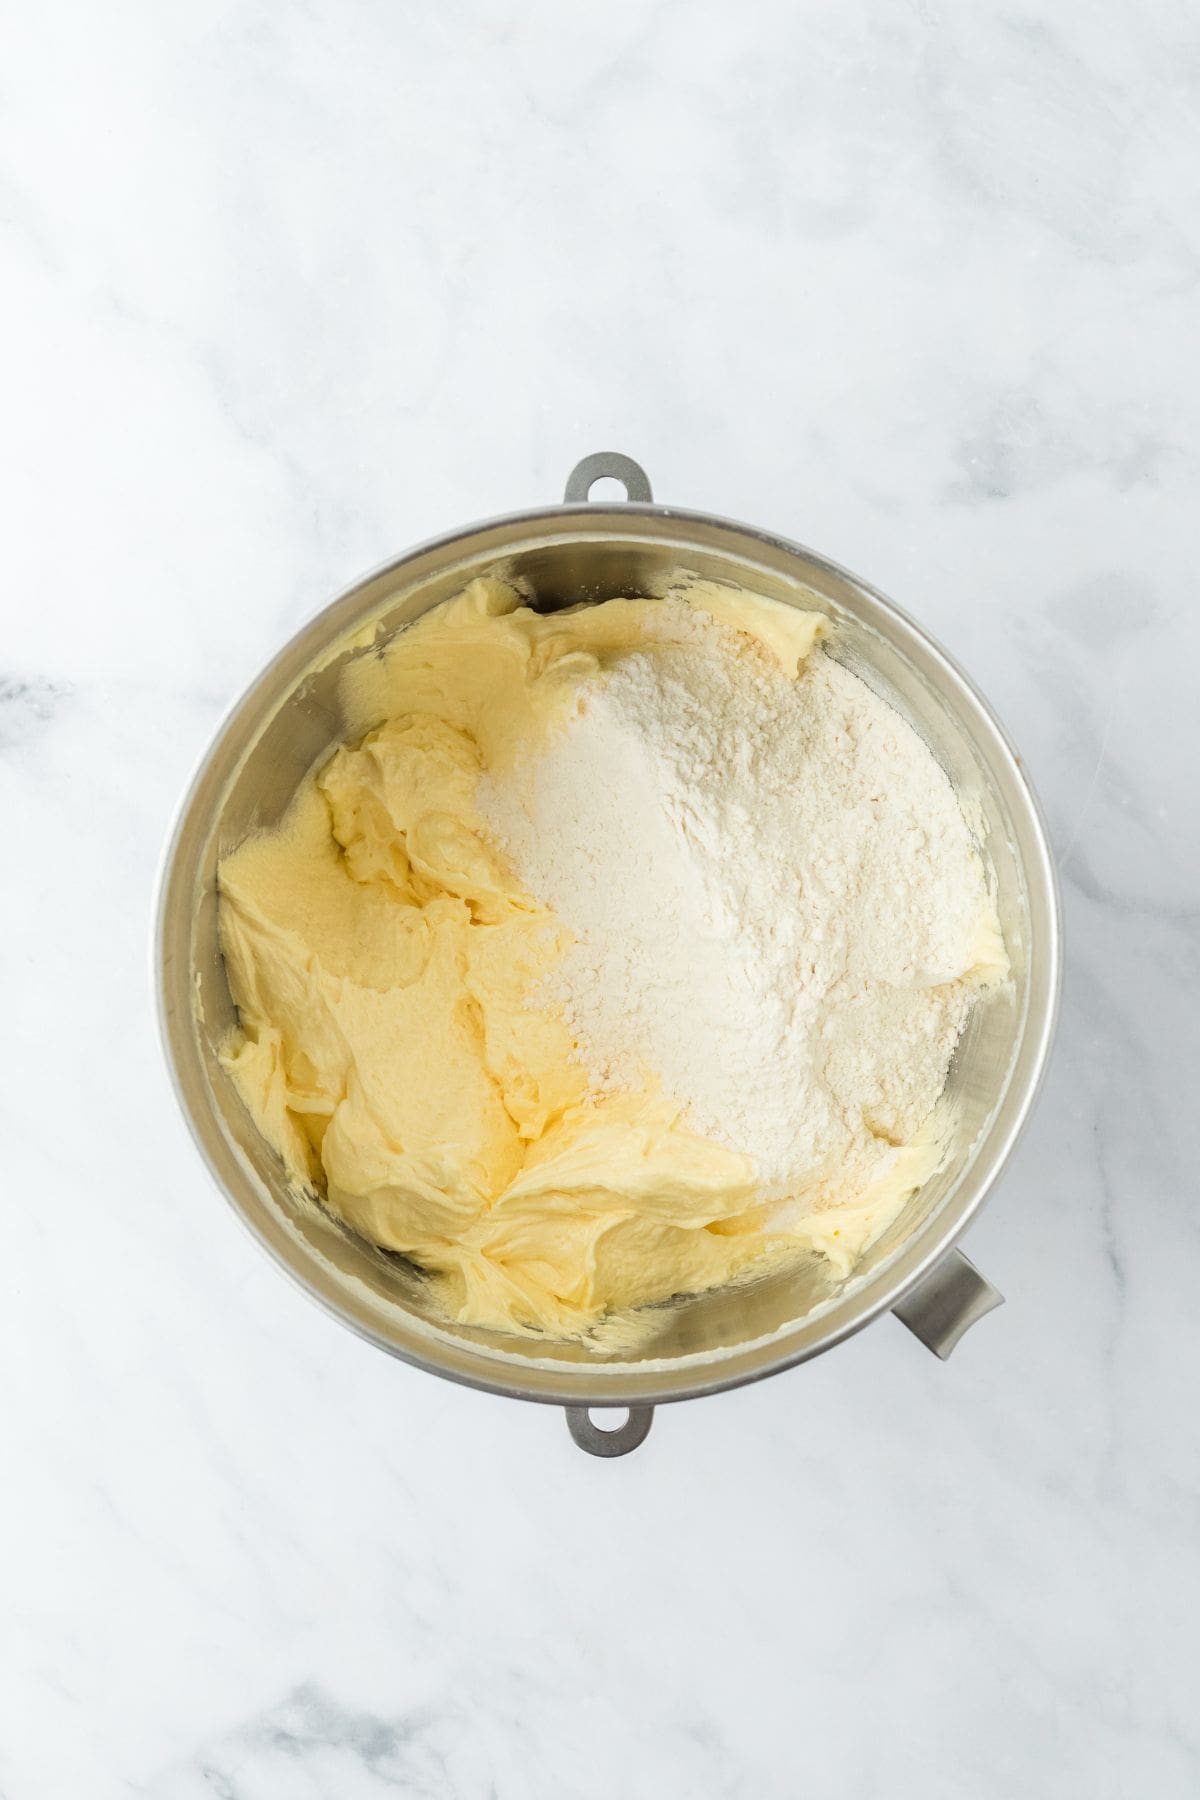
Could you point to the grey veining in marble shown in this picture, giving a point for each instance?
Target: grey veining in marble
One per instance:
(285, 289)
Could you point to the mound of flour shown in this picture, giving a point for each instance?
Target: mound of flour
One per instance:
(778, 906)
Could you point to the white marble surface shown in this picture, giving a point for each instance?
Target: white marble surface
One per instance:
(285, 289)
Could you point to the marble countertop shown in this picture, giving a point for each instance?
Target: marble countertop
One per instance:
(284, 290)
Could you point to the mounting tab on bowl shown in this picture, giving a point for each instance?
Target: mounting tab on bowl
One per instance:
(618, 1442)
(607, 465)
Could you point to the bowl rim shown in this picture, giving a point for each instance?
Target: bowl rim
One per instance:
(692, 1376)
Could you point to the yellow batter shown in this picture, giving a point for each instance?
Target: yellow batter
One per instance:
(382, 961)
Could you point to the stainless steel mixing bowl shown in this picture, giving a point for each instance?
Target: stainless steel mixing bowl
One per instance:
(290, 718)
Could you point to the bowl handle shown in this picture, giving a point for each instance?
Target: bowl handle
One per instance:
(610, 463)
(952, 1297)
(598, 1442)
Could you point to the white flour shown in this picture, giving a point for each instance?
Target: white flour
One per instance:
(776, 897)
